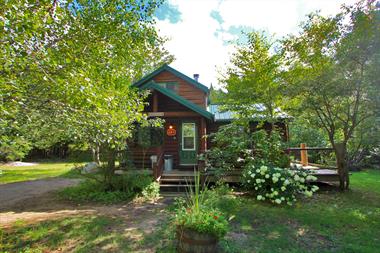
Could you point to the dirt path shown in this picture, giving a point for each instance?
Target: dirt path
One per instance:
(16, 192)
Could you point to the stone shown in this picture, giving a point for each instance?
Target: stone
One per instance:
(91, 167)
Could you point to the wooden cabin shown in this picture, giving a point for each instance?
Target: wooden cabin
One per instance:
(183, 103)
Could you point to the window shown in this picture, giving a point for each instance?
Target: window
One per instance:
(188, 136)
(173, 86)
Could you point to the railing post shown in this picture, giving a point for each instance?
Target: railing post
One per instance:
(304, 158)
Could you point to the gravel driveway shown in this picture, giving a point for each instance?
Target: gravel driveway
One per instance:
(16, 192)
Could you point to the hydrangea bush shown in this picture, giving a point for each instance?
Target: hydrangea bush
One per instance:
(278, 185)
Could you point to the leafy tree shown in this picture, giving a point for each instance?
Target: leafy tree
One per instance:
(364, 147)
(331, 67)
(216, 96)
(67, 68)
(253, 79)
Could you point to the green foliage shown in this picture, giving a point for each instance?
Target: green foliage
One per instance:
(269, 149)
(231, 145)
(216, 96)
(93, 191)
(301, 130)
(205, 221)
(278, 185)
(330, 73)
(196, 215)
(67, 69)
(364, 147)
(124, 188)
(222, 197)
(13, 148)
(151, 191)
(253, 79)
(234, 146)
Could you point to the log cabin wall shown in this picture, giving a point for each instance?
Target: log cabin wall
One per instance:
(171, 144)
(185, 89)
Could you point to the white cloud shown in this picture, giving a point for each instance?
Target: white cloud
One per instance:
(198, 50)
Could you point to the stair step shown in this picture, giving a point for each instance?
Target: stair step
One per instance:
(173, 194)
(175, 185)
(176, 180)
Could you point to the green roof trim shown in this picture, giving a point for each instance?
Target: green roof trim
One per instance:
(179, 99)
(174, 72)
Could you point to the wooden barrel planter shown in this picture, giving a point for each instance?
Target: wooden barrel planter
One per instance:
(190, 241)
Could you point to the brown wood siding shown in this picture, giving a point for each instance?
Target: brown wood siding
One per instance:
(165, 104)
(185, 89)
(170, 144)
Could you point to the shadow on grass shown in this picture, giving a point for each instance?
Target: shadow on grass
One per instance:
(84, 234)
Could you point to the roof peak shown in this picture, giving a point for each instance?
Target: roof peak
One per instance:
(175, 72)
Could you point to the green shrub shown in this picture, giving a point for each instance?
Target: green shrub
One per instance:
(234, 146)
(231, 145)
(151, 191)
(277, 185)
(131, 182)
(269, 149)
(13, 148)
(90, 190)
(222, 198)
(125, 187)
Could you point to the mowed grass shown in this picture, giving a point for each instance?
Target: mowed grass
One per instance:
(12, 174)
(329, 222)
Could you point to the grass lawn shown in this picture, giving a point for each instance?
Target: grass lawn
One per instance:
(12, 174)
(329, 222)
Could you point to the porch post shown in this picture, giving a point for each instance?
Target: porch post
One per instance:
(155, 102)
(304, 158)
(203, 131)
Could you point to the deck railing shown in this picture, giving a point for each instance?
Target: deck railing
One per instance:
(303, 152)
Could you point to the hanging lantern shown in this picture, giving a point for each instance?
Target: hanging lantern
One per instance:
(171, 131)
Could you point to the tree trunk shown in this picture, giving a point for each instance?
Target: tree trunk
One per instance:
(110, 170)
(96, 154)
(341, 155)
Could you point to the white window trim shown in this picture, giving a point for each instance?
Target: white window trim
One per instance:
(194, 138)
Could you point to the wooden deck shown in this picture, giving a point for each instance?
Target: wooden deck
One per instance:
(323, 175)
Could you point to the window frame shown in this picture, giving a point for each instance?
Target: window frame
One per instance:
(165, 85)
(194, 136)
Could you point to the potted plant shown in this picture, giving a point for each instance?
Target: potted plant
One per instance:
(199, 227)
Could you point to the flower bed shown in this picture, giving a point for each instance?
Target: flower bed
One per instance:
(278, 185)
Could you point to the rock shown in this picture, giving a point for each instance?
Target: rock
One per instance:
(91, 167)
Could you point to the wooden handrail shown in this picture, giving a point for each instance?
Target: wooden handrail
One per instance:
(159, 165)
(304, 155)
(309, 148)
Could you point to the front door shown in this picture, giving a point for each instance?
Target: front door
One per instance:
(188, 149)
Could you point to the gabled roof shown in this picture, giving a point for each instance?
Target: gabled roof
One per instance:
(174, 72)
(179, 99)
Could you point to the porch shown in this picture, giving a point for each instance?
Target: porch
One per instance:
(178, 179)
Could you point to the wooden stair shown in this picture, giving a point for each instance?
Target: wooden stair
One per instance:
(176, 181)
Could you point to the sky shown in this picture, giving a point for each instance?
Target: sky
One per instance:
(200, 32)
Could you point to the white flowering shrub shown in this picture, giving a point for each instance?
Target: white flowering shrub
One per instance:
(278, 185)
